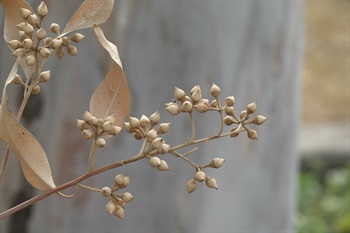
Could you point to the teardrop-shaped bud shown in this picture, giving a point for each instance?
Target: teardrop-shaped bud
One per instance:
(33, 19)
(21, 26)
(151, 135)
(116, 130)
(106, 191)
(163, 128)
(244, 115)
(119, 213)
(17, 79)
(196, 96)
(228, 120)
(119, 179)
(25, 13)
(100, 142)
(28, 43)
(195, 88)
(28, 29)
(108, 127)
(42, 10)
(165, 148)
(14, 44)
(30, 60)
(40, 33)
(82, 125)
(48, 40)
(251, 108)
(155, 161)
(157, 143)
(179, 94)
(211, 182)
(200, 176)
(144, 122)
(201, 107)
(230, 101)
(59, 53)
(186, 106)
(154, 118)
(215, 90)
(217, 162)
(163, 166)
(214, 103)
(134, 122)
(127, 197)
(252, 134)
(258, 120)
(77, 37)
(128, 128)
(191, 185)
(44, 76)
(55, 28)
(56, 43)
(44, 52)
(173, 109)
(110, 207)
(36, 90)
(72, 50)
(229, 110)
(87, 116)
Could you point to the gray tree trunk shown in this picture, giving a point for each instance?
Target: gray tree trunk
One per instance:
(251, 49)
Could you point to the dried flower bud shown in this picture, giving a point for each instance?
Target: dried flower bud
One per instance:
(251, 108)
(163, 128)
(77, 37)
(119, 179)
(55, 28)
(252, 134)
(42, 10)
(215, 90)
(234, 133)
(110, 208)
(106, 191)
(116, 130)
(217, 162)
(157, 143)
(33, 19)
(108, 127)
(126, 181)
(44, 52)
(191, 185)
(211, 182)
(179, 94)
(22, 35)
(214, 103)
(21, 26)
(258, 120)
(155, 161)
(59, 53)
(151, 135)
(195, 88)
(28, 29)
(154, 118)
(186, 106)
(127, 197)
(196, 96)
(48, 40)
(40, 33)
(18, 52)
(119, 213)
(228, 120)
(163, 166)
(30, 60)
(44, 76)
(144, 122)
(128, 127)
(134, 122)
(92, 121)
(173, 109)
(200, 176)
(14, 44)
(17, 79)
(87, 116)
(229, 110)
(165, 148)
(244, 115)
(230, 101)
(110, 118)
(87, 134)
(36, 90)
(28, 43)
(56, 43)
(82, 125)
(25, 13)
(201, 107)
(72, 50)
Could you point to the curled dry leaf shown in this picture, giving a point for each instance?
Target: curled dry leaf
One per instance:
(112, 96)
(90, 12)
(27, 149)
(13, 16)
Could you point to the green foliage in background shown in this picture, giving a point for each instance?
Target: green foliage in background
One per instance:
(324, 201)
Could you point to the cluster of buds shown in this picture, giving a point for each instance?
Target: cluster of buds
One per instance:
(116, 202)
(31, 33)
(98, 128)
(43, 77)
(145, 128)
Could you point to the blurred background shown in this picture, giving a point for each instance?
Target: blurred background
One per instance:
(290, 56)
(324, 179)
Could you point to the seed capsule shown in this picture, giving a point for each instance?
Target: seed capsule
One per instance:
(211, 182)
(244, 115)
(179, 94)
(215, 90)
(127, 197)
(134, 122)
(116, 130)
(154, 161)
(92, 121)
(201, 107)
(110, 207)
(119, 179)
(119, 213)
(217, 162)
(72, 50)
(17, 79)
(44, 52)
(48, 40)
(191, 185)
(200, 176)
(77, 37)
(106, 191)
(165, 148)
(258, 120)
(82, 125)
(21, 26)
(196, 96)
(42, 10)
(36, 90)
(157, 143)
(28, 29)
(108, 127)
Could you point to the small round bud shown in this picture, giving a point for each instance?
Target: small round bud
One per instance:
(252, 134)
(28, 43)
(244, 115)
(215, 90)
(116, 130)
(258, 120)
(217, 162)
(41, 33)
(110, 207)
(28, 29)
(151, 135)
(82, 125)
(72, 50)
(230, 101)
(201, 107)
(144, 122)
(126, 181)
(187, 106)
(87, 134)
(214, 104)
(211, 182)
(127, 197)
(44, 52)
(36, 90)
(56, 43)
(191, 185)
(157, 143)
(179, 94)
(154, 118)
(200, 176)
(134, 122)
(229, 110)
(163, 166)
(21, 26)
(173, 109)
(100, 142)
(33, 19)
(14, 44)
(25, 13)
(42, 10)
(228, 120)
(119, 179)
(108, 127)
(77, 37)
(59, 53)
(106, 191)
(55, 28)
(17, 79)
(163, 128)
(92, 121)
(155, 161)
(87, 116)
(30, 60)
(119, 213)
(251, 108)
(44, 76)
(196, 96)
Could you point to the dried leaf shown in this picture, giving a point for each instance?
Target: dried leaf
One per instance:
(27, 149)
(112, 96)
(90, 12)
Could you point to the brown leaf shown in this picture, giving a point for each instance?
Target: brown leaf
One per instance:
(90, 12)
(27, 149)
(112, 96)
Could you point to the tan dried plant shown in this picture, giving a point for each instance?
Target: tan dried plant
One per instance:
(109, 106)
